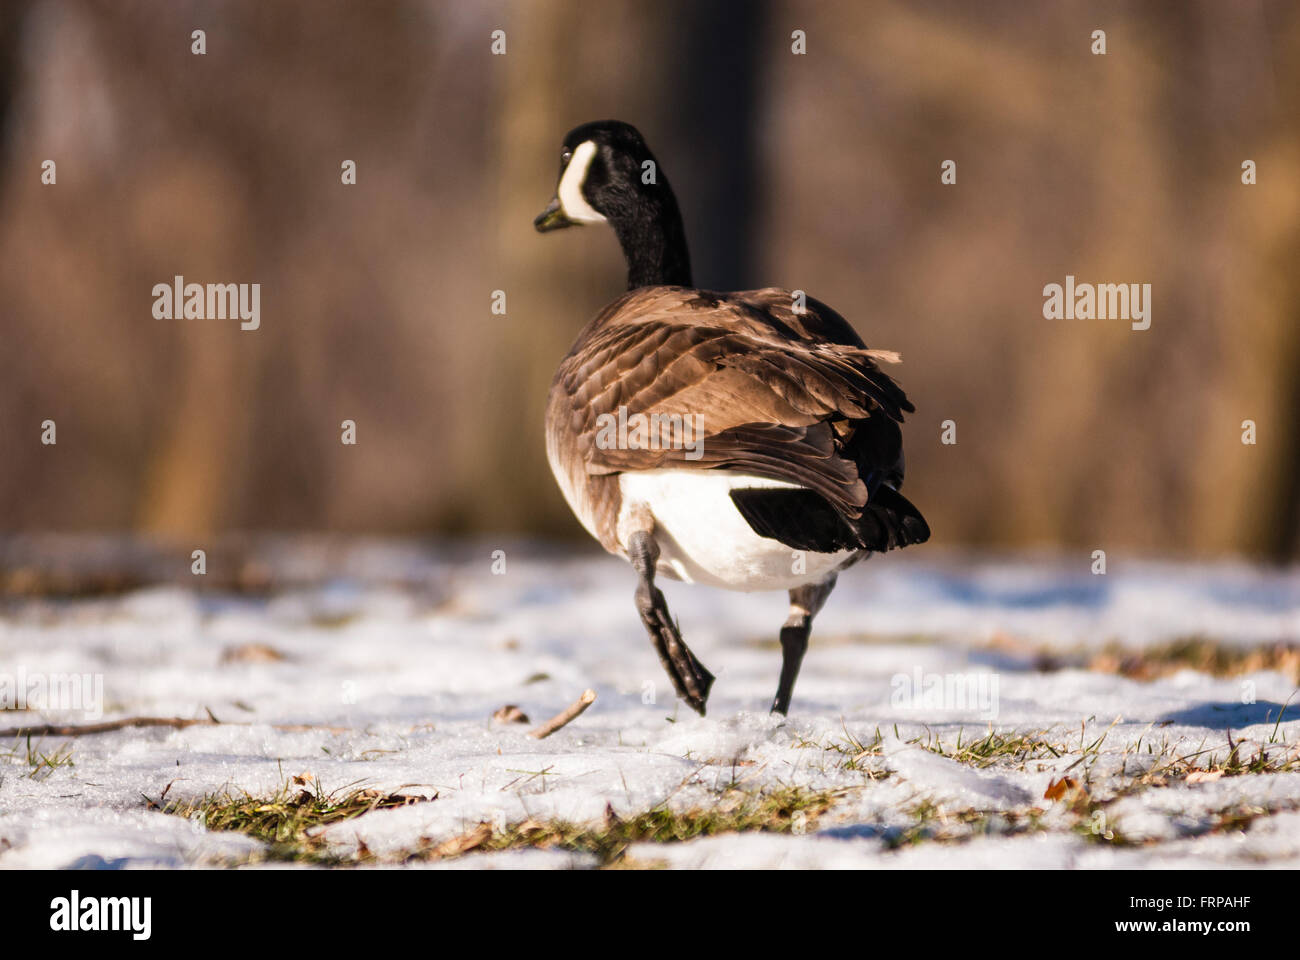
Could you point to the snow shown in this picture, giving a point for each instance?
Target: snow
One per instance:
(394, 657)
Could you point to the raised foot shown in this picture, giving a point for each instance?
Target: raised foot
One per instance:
(690, 678)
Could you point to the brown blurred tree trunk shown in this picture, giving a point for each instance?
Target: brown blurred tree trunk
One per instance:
(12, 16)
(714, 116)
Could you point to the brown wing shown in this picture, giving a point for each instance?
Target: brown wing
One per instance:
(780, 394)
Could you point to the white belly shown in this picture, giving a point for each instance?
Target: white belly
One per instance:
(703, 538)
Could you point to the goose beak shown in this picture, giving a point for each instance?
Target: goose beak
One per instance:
(552, 218)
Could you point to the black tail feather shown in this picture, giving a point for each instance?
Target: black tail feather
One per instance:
(797, 517)
(804, 520)
(890, 520)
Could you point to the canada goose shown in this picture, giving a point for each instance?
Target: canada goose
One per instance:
(743, 440)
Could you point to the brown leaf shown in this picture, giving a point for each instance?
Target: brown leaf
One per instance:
(1204, 776)
(465, 842)
(1057, 789)
(252, 653)
(510, 713)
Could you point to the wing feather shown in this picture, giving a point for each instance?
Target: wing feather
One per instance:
(785, 395)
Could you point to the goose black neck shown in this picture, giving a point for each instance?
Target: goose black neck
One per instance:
(654, 241)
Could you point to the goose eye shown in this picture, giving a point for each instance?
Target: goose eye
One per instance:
(566, 156)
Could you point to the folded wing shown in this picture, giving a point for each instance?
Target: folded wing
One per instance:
(746, 382)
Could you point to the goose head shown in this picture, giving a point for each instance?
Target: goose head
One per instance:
(608, 175)
(600, 169)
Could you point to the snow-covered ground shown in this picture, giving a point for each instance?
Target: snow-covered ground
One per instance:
(394, 658)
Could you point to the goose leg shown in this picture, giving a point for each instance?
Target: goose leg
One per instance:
(690, 679)
(805, 601)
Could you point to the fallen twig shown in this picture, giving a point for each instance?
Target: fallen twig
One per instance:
(180, 723)
(80, 729)
(176, 723)
(566, 716)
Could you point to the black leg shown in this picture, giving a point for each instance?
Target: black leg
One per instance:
(691, 681)
(794, 643)
(805, 601)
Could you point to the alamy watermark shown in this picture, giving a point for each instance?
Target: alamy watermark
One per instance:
(946, 691)
(83, 692)
(74, 913)
(1100, 301)
(179, 300)
(657, 431)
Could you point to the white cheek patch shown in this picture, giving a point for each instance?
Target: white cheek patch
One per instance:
(572, 201)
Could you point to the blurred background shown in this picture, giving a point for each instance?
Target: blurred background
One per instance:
(819, 172)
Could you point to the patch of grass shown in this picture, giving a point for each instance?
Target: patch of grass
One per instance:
(33, 581)
(782, 810)
(1093, 826)
(933, 824)
(1199, 652)
(42, 764)
(285, 820)
(1006, 749)
(855, 751)
(1238, 818)
(334, 621)
(1231, 759)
